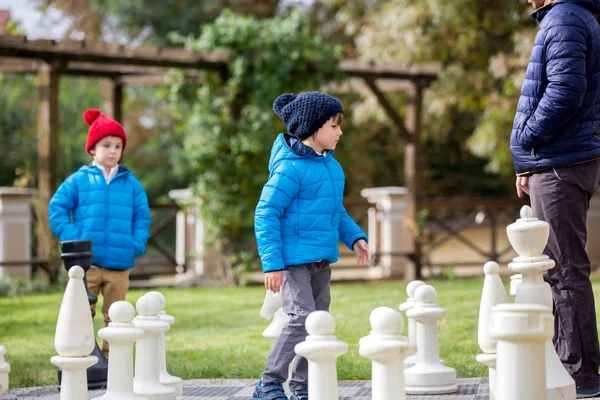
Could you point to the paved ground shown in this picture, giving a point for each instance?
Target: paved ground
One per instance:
(236, 389)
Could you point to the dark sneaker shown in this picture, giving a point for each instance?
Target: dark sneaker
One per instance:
(584, 392)
(270, 391)
(299, 393)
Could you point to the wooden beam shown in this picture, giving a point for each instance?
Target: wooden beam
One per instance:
(48, 125)
(109, 53)
(389, 109)
(112, 94)
(421, 74)
(413, 169)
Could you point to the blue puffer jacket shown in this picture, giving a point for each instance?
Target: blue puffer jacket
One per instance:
(114, 216)
(300, 217)
(558, 115)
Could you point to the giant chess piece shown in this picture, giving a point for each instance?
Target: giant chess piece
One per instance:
(74, 338)
(121, 334)
(79, 252)
(146, 382)
(387, 348)
(492, 294)
(412, 325)
(428, 375)
(521, 331)
(166, 378)
(4, 371)
(321, 348)
(271, 308)
(529, 236)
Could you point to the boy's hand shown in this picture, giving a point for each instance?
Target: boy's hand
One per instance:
(363, 255)
(273, 281)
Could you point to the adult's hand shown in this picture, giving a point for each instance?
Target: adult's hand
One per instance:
(522, 185)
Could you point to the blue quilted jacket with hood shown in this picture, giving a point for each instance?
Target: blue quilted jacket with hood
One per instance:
(114, 216)
(558, 115)
(300, 218)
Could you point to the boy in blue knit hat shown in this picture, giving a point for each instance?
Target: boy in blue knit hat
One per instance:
(298, 223)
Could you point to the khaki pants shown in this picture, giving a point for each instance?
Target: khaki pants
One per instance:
(113, 285)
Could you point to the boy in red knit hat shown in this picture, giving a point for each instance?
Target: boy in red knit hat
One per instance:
(105, 203)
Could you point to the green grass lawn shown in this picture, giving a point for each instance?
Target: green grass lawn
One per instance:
(218, 331)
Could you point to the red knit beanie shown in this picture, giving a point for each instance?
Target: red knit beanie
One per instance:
(101, 126)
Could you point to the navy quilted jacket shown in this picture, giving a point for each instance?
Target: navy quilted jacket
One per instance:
(114, 216)
(558, 115)
(300, 217)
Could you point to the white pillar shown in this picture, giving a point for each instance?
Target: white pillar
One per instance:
(4, 371)
(492, 294)
(428, 375)
(147, 360)
(521, 331)
(15, 231)
(121, 333)
(412, 325)
(74, 338)
(529, 236)
(395, 234)
(321, 349)
(387, 348)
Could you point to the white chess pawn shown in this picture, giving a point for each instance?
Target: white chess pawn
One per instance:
(492, 294)
(521, 331)
(74, 339)
(321, 348)
(387, 348)
(121, 334)
(428, 375)
(529, 236)
(412, 327)
(270, 305)
(147, 360)
(4, 371)
(166, 378)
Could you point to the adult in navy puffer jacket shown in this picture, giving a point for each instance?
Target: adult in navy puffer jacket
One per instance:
(556, 153)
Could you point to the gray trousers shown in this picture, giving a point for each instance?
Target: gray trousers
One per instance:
(561, 197)
(305, 289)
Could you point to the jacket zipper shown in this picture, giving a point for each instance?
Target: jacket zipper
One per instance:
(334, 194)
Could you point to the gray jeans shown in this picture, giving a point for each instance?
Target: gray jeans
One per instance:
(305, 289)
(561, 197)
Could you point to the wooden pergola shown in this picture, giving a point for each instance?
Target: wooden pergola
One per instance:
(120, 66)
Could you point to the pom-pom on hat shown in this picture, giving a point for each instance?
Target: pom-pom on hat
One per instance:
(101, 126)
(305, 113)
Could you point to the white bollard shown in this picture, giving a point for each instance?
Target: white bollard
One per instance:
(412, 327)
(321, 348)
(4, 371)
(146, 382)
(387, 348)
(121, 334)
(492, 294)
(521, 331)
(166, 378)
(74, 338)
(529, 236)
(428, 375)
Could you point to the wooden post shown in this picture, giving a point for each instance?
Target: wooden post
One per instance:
(48, 125)
(413, 169)
(112, 93)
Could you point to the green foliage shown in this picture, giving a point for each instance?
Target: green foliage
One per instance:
(19, 287)
(230, 126)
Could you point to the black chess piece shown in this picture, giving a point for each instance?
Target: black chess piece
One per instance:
(79, 252)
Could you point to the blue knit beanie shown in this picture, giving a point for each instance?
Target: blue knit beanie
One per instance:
(305, 113)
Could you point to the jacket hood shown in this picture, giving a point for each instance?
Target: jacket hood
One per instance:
(592, 5)
(287, 147)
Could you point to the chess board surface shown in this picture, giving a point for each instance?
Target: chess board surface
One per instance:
(235, 389)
